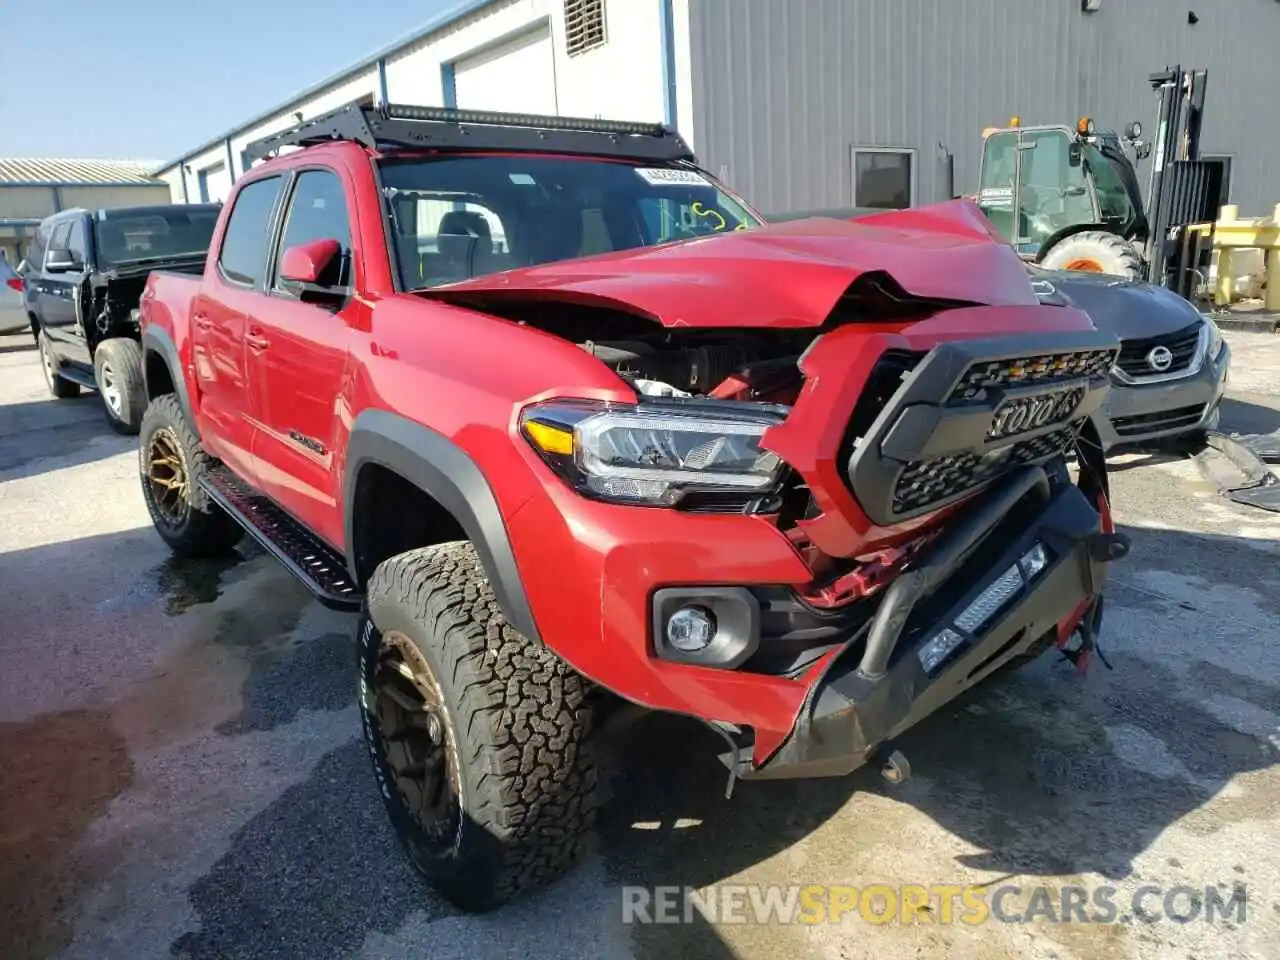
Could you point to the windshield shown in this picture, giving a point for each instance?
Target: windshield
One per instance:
(461, 217)
(129, 236)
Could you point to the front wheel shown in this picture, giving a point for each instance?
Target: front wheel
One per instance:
(117, 370)
(59, 386)
(479, 736)
(1095, 251)
(171, 462)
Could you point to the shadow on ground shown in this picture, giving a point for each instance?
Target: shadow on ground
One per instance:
(42, 435)
(1029, 769)
(1254, 415)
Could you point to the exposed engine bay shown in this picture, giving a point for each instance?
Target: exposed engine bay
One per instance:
(739, 369)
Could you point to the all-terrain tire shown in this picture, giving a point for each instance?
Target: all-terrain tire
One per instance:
(1095, 251)
(117, 368)
(59, 386)
(201, 528)
(516, 722)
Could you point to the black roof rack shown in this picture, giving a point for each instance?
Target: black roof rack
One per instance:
(443, 128)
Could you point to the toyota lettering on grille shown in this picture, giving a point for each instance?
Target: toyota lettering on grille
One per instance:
(1023, 414)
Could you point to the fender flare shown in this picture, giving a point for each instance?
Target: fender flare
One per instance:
(444, 471)
(156, 340)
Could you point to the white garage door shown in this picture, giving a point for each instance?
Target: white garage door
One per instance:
(518, 77)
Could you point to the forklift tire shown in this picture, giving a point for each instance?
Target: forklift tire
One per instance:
(1095, 251)
(480, 737)
(117, 371)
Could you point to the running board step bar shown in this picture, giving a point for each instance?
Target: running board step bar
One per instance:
(321, 569)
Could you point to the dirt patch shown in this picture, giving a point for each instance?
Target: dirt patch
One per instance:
(58, 774)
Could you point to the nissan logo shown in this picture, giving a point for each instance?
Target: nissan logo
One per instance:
(1160, 359)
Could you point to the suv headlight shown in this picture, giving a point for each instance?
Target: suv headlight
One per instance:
(1215, 337)
(656, 452)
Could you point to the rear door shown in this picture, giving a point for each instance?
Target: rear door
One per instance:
(220, 313)
(297, 356)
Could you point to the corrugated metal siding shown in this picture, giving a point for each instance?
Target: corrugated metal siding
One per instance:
(20, 170)
(782, 91)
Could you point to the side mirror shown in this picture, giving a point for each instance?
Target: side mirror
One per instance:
(1074, 154)
(59, 261)
(306, 263)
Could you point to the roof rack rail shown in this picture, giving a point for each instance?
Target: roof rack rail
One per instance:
(444, 128)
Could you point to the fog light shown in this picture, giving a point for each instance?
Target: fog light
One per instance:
(691, 629)
(1034, 561)
(938, 649)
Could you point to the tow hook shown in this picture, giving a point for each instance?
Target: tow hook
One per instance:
(894, 767)
(1106, 547)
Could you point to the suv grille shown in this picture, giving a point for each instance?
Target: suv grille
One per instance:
(931, 481)
(1045, 369)
(1181, 344)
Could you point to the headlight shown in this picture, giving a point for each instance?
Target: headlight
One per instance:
(656, 452)
(1215, 337)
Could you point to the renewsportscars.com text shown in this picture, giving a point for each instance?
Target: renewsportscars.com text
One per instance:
(934, 903)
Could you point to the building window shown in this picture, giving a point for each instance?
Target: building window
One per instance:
(884, 178)
(583, 25)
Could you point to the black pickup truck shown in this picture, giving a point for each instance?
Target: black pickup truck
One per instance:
(83, 278)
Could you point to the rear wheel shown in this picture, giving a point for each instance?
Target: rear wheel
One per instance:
(479, 736)
(171, 462)
(1095, 251)
(117, 369)
(59, 386)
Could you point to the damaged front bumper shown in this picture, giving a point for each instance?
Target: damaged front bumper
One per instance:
(1023, 570)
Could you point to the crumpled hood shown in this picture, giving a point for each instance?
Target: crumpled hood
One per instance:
(1129, 309)
(780, 275)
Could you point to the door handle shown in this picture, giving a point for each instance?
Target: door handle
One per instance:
(256, 341)
(202, 321)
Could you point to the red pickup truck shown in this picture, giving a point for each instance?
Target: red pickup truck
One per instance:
(567, 423)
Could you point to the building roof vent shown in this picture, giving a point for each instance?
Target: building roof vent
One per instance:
(583, 25)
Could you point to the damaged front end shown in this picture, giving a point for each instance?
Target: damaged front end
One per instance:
(912, 447)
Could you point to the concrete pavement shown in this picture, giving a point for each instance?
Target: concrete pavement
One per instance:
(181, 774)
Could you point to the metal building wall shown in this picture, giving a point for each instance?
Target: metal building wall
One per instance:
(782, 89)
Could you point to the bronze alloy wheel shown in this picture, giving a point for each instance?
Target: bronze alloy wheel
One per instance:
(418, 740)
(167, 477)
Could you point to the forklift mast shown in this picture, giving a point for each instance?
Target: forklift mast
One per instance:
(1183, 189)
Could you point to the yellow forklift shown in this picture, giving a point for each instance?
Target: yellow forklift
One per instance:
(1069, 198)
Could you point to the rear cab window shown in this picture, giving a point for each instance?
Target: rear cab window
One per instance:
(139, 235)
(242, 258)
(463, 216)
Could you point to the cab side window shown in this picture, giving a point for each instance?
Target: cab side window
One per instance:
(78, 243)
(318, 211)
(243, 257)
(61, 237)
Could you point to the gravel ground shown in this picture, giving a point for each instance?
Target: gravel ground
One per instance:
(180, 773)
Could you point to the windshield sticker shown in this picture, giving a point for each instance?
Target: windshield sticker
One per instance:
(704, 212)
(668, 177)
(521, 179)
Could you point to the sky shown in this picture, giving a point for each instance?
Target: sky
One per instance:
(129, 79)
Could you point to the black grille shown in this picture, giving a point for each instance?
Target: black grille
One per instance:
(931, 481)
(1181, 343)
(1044, 369)
(1157, 422)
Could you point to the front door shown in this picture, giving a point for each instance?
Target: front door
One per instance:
(58, 297)
(220, 317)
(298, 348)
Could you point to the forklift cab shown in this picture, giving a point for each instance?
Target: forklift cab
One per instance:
(1040, 183)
